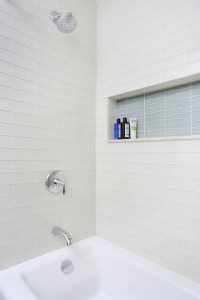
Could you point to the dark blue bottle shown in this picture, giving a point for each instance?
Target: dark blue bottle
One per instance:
(117, 130)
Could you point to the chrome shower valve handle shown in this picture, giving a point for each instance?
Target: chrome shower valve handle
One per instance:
(59, 182)
(55, 182)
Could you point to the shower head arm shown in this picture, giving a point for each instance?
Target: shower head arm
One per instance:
(55, 15)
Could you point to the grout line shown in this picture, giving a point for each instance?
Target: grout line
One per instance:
(191, 110)
(165, 112)
(144, 115)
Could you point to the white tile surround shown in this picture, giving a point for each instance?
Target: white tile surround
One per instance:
(47, 90)
(148, 193)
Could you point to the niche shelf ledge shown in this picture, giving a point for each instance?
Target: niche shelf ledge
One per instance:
(152, 139)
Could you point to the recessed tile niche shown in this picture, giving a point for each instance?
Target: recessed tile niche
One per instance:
(168, 112)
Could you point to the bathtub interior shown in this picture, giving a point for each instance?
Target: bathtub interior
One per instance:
(100, 273)
(48, 282)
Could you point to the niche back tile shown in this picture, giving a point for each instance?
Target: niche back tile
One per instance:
(168, 112)
(135, 108)
(195, 102)
(155, 114)
(178, 111)
(121, 109)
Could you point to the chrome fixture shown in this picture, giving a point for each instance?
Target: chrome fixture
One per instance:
(66, 266)
(55, 182)
(61, 232)
(66, 22)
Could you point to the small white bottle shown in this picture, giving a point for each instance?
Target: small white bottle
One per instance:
(133, 128)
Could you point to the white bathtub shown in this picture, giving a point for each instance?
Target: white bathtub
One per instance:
(101, 271)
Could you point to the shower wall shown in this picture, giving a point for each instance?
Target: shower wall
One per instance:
(47, 90)
(148, 193)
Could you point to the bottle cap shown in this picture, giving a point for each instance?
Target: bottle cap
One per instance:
(118, 121)
(124, 119)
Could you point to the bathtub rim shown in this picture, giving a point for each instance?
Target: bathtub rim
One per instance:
(170, 276)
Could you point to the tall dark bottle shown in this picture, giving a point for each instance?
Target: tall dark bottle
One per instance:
(125, 129)
(119, 129)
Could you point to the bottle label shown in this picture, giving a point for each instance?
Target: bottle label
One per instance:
(127, 131)
(133, 127)
(119, 131)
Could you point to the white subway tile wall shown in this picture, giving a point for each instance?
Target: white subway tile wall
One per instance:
(148, 194)
(47, 92)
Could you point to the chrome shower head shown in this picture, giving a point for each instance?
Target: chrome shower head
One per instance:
(66, 22)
